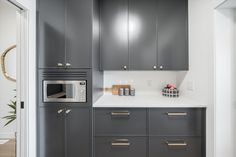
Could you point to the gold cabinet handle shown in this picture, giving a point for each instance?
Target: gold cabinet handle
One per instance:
(60, 64)
(60, 111)
(176, 144)
(68, 111)
(120, 143)
(120, 113)
(68, 65)
(177, 113)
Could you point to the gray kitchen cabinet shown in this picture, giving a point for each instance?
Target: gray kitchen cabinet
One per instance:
(151, 35)
(175, 122)
(169, 132)
(64, 33)
(78, 134)
(64, 131)
(50, 33)
(120, 147)
(175, 147)
(142, 34)
(51, 133)
(79, 33)
(117, 122)
(114, 34)
(172, 35)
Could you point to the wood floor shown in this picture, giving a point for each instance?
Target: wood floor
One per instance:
(8, 149)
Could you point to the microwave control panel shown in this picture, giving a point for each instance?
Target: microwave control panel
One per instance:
(82, 91)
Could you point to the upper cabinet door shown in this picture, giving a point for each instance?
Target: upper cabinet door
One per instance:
(172, 38)
(78, 33)
(114, 34)
(142, 34)
(51, 33)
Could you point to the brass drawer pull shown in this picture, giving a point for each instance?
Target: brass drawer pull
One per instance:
(177, 113)
(120, 143)
(176, 144)
(120, 113)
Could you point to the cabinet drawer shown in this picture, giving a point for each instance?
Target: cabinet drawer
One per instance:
(175, 147)
(120, 147)
(176, 121)
(113, 122)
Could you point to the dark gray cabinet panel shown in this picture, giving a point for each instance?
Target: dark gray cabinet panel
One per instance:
(120, 147)
(64, 131)
(175, 147)
(114, 34)
(142, 34)
(178, 132)
(120, 122)
(176, 122)
(78, 134)
(172, 36)
(64, 33)
(51, 137)
(79, 33)
(51, 33)
(152, 34)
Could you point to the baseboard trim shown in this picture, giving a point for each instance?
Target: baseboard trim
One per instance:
(7, 135)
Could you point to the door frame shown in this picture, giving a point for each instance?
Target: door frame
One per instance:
(21, 135)
(26, 77)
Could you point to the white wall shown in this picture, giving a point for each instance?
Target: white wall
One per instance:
(218, 2)
(201, 57)
(143, 81)
(7, 38)
(225, 33)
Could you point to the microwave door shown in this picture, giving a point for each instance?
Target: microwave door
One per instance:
(65, 91)
(59, 91)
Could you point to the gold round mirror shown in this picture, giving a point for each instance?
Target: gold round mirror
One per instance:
(3, 63)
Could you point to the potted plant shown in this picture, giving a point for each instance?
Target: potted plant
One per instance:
(12, 114)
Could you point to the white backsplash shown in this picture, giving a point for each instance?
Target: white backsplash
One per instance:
(142, 81)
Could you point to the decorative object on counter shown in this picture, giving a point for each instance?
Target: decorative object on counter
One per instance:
(170, 91)
(132, 92)
(116, 88)
(126, 91)
(121, 91)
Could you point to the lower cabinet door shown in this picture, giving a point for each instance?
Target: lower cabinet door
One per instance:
(51, 132)
(175, 147)
(120, 146)
(78, 132)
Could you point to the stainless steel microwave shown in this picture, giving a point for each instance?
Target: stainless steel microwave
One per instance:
(64, 91)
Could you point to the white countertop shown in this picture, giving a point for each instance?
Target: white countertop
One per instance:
(146, 101)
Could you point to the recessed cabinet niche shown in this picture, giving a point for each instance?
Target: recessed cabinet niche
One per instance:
(144, 34)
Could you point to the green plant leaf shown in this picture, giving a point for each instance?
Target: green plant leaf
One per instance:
(9, 122)
(12, 114)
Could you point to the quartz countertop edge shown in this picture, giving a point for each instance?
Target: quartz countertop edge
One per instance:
(146, 101)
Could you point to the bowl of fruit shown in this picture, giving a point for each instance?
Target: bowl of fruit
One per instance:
(171, 91)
